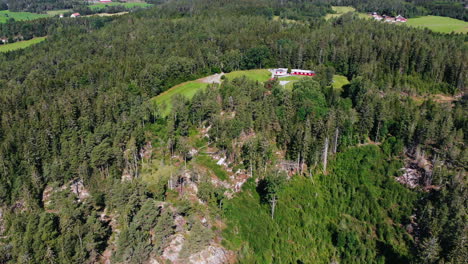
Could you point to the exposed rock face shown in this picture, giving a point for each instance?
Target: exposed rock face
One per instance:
(173, 250)
(77, 187)
(210, 255)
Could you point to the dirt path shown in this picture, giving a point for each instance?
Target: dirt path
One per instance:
(215, 78)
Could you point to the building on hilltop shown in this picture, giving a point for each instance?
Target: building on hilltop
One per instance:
(302, 72)
(280, 72)
(401, 19)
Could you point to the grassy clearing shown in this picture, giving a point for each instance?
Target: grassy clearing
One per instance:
(126, 5)
(260, 75)
(339, 81)
(340, 10)
(6, 14)
(58, 12)
(209, 163)
(187, 89)
(20, 44)
(439, 24)
(292, 80)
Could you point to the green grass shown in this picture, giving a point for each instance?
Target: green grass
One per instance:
(292, 80)
(439, 24)
(340, 10)
(126, 5)
(187, 89)
(260, 75)
(354, 208)
(20, 44)
(6, 14)
(339, 81)
(58, 12)
(210, 163)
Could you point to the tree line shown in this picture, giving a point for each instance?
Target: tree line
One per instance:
(77, 105)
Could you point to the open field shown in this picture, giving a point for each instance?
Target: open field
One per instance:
(187, 89)
(6, 14)
(20, 44)
(439, 24)
(339, 81)
(58, 12)
(292, 80)
(127, 5)
(260, 75)
(340, 10)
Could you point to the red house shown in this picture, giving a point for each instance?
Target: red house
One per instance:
(400, 18)
(302, 72)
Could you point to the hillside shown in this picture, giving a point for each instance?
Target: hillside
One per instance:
(122, 141)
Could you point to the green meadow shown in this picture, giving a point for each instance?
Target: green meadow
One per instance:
(126, 5)
(6, 14)
(260, 75)
(340, 10)
(187, 89)
(20, 44)
(339, 81)
(439, 24)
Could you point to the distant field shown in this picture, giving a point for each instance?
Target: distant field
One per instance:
(439, 24)
(339, 81)
(187, 89)
(6, 14)
(58, 12)
(340, 10)
(261, 75)
(20, 44)
(127, 5)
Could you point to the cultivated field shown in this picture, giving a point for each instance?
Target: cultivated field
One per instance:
(187, 89)
(20, 44)
(58, 12)
(261, 75)
(6, 14)
(127, 5)
(340, 10)
(439, 24)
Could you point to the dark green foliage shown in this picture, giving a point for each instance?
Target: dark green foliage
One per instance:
(344, 216)
(77, 107)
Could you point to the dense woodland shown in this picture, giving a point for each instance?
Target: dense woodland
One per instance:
(77, 108)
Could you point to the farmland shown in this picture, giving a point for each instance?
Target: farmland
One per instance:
(261, 75)
(20, 44)
(187, 89)
(439, 24)
(126, 5)
(340, 10)
(6, 14)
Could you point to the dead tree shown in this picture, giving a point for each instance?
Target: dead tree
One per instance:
(325, 156)
(335, 144)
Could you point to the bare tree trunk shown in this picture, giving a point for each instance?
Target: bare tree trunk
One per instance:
(335, 147)
(273, 205)
(325, 156)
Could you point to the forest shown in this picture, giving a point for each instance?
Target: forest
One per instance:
(90, 170)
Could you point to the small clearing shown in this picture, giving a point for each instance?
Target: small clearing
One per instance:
(439, 24)
(126, 5)
(20, 44)
(339, 81)
(5, 15)
(187, 89)
(341, 10)
(261, 75)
